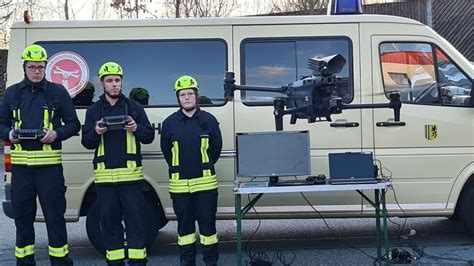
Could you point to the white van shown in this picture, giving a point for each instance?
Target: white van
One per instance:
(430, 160)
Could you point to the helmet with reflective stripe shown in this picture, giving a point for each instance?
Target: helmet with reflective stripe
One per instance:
(185, 82)
(34, 53)
(110, 68)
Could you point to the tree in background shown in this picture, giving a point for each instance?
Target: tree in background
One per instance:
(200, 8)
(129, 9)
(10, 11)
(100, 9)
(300, 7)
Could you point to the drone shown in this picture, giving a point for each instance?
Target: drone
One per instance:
(315, 97)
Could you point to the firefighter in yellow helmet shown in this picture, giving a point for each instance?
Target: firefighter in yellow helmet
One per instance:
(191, 142)
(35, 117)
(115, 128)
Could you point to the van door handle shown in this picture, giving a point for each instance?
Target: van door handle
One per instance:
(345, 124)
(390, 124)
(157, 128)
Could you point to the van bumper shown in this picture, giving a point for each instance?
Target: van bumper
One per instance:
(7, 203)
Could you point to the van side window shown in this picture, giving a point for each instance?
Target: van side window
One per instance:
(277, 62)
(150, 68)
(423, 75)
(455, 87)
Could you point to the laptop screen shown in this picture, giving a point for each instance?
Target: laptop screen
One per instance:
(351, 166)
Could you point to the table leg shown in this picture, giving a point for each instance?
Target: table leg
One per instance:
(385, 227)
(238, 211)
(377, 224)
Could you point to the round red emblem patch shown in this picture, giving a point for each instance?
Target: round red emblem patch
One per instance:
(70, 70)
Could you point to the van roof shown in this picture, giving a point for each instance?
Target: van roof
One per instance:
(256, 20)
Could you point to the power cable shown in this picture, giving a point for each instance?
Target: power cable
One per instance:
(260, 258)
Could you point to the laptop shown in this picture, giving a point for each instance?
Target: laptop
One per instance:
(352, 168)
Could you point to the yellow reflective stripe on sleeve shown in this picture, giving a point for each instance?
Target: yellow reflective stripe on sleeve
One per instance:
(175, 154)
(101, 149)
(137, 253)
(24, 251)
(208, 240)
(187, 239)
(103, 175)
(117, 254)
(131, 144)
(204, 147)
(58, 252)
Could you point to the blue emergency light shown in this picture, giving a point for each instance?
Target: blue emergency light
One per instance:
(339, 7)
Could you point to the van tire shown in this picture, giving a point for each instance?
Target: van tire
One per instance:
(153, 223)
(467, 208)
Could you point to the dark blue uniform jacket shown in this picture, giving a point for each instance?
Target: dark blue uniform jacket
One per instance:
(31, 98)
(188, 131)
(115, 144)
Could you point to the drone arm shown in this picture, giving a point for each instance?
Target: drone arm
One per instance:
(394, 104)
(230, 87)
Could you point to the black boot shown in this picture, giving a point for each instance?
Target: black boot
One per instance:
(183, 262)
(26, 261)
(63, 261)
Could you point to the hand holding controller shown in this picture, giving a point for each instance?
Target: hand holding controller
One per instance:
(101, 127)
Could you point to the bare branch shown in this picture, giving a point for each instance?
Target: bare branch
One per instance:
(200, 8)
(300, 7)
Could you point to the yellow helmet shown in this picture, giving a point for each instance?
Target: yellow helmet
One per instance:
(34, 53)
(110, 68)
(185, 82)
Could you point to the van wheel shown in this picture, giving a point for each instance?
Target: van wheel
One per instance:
(467, 208)
(153, 222)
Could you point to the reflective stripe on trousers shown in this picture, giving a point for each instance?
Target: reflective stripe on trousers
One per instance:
(187, 239)
(58, 252)
(137, 253)
(24, 251)
(117, 254)
(208, 240)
